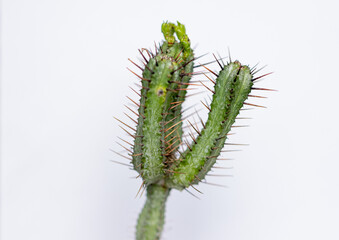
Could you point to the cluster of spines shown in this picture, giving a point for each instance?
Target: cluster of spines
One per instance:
(165, 81)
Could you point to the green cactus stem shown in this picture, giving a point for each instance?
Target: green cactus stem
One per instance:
(231, 90)
(152, 216)
(163, 83)
(166, 77)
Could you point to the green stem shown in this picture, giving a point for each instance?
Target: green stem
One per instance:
(151, 219)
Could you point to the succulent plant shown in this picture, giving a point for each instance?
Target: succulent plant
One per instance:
(155, 151)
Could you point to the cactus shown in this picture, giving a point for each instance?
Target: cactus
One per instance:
(158, 136)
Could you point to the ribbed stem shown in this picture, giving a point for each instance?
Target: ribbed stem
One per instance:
(152, 217)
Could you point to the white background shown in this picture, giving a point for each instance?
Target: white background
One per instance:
(64, 77)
